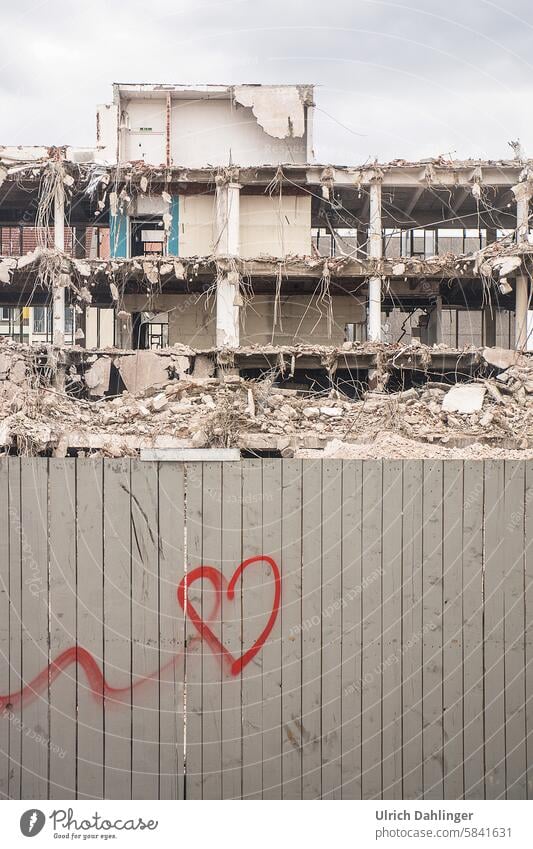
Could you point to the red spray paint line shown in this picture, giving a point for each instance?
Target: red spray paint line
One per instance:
(236, 664)
(102, 690)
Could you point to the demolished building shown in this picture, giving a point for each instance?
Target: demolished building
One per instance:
(200, 248)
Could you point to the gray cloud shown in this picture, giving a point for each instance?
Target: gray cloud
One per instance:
(406, 79)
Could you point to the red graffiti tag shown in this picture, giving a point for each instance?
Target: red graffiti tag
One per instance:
(98, 686)
(217, 579)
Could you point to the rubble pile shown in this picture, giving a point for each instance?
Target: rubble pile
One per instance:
(485, 416)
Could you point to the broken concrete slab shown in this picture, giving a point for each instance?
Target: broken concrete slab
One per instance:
(142, 370)
(17, 372)
(501, 357)
(465, 398)
(97, 377)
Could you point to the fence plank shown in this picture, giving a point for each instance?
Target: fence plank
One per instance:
(256, 605)
(472, 598)
(291, 628)
(63, 626)
(171, 630)
(231, 631)
(145, 630)
(271, 534)
(312, 581)
(452, 631)
(331, 629)
(412, 630)
(515, 724)
(15, 626)
(212, 664)
(35, 715)
(351, 628)
(372, 634)
(494, 522)
(528, 592)
(392, 629)
(90, 619)
(193, 663)
(5, 713)
(117, 628)
(432, 735)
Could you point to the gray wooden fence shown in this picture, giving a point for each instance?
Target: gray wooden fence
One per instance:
(398, 664)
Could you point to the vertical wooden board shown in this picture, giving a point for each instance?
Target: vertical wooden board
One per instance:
(412, 629)
(213, 668)
(15, 682)
(90, 620)
(351, 628)
(452, 634)
(311, 635)
(271, 534)
(291, 679)
(231, 632)
(63, 626)
(528, 547)
(372, 633)
(494, 618)
(4, 627)
(472, 595)
(256, 606)
(193, 660)
(392, 628)
(515, 720)
(432, 589)
(145, 630)
(171, 629)
(117, 629)
(331, 628)
(35, 654)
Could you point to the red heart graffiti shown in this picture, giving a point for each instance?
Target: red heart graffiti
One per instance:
(219, 582)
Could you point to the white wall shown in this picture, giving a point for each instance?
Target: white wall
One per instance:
(196, 223)
(274, 226)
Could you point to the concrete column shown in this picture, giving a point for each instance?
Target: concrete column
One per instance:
(375, 251)
(434, 326)
(489, 326)
(523, 194)
(58, 297)
(227, 222)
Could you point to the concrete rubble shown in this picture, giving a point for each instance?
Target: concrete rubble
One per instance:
(166, 407)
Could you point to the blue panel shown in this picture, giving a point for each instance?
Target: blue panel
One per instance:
(173, 233)
(118, 234)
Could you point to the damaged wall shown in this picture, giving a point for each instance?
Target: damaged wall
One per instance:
(243, 125)
(191, 319)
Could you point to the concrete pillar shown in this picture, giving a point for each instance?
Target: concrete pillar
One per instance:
(489, 326)
(523, 194)
(227, 222)
(58, 296)
(375, 251)
(434, 326)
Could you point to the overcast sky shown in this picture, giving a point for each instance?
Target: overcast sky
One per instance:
(394, 80)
